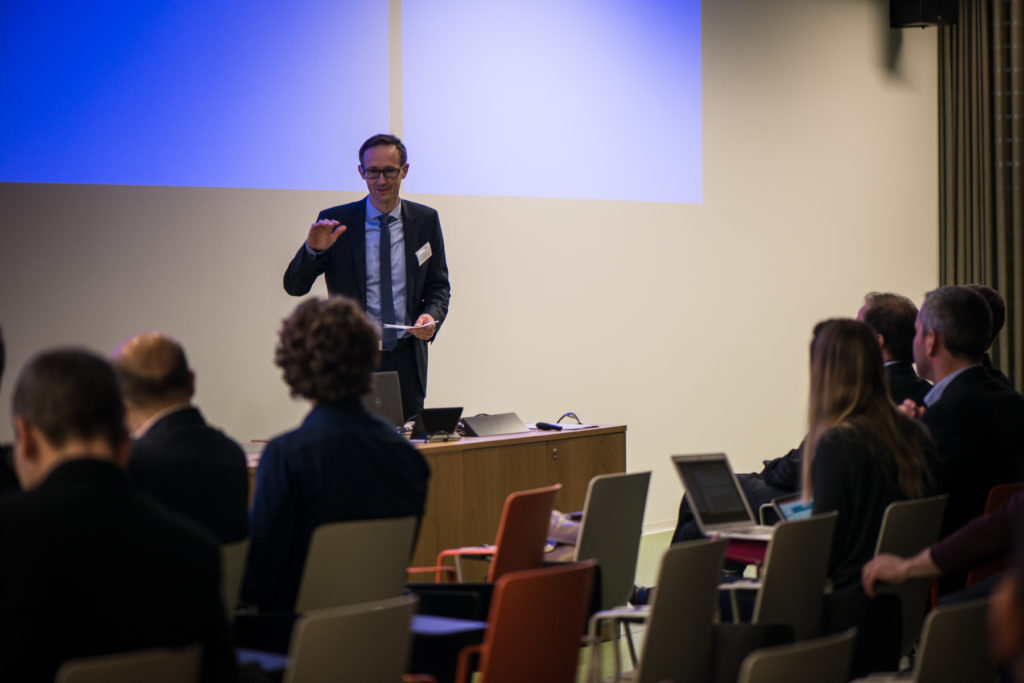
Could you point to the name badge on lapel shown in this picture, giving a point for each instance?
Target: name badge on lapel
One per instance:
(424, 253)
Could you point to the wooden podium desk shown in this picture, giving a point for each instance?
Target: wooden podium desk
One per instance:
(470, 478)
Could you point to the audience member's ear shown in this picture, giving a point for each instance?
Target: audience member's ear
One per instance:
(26, 452)
(932, 343)
(191, 384)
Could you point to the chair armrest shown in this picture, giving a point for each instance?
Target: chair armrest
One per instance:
(740, 585)
(418, 678)
(438, 571)
(462, 671)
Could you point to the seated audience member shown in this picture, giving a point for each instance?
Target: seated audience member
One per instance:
(862, 452)
(8, 480)
(186, 464)
(342, 462)
(976, 420)
(997, 307)
(892, 317)
(984, 540)
(92, 564)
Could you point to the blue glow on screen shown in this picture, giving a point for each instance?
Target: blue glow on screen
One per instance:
(191, 92)
(578, 98)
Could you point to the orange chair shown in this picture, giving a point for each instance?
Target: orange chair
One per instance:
(997, 497)
(534, 626)
(522, 532)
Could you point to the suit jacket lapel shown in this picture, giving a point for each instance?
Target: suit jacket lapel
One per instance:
(358, 250)
(412, 243)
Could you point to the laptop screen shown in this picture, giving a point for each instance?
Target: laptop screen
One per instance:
(712, 490)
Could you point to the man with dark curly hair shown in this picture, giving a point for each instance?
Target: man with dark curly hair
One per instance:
(388, 254)
(342, 463)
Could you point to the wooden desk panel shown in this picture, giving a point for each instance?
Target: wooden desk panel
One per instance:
(470, 479)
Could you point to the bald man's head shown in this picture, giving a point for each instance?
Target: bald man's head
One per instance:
(153, 371)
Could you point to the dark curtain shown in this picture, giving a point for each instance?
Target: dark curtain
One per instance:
(981, 161)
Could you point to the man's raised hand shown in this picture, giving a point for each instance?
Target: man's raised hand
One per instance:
(323, 234)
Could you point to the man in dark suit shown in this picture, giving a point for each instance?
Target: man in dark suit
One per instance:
(892, 317)
(347, 243)
(975, 418)
(342, 463)
(186, 464)
(91, 563)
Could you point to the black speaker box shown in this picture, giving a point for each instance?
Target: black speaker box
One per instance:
(906, 13)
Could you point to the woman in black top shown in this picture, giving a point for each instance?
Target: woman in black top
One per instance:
(864, 453)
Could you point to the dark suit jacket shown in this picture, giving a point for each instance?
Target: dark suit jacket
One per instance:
(978, 428)
(94, 565)
(904, 383)
(195, 470)
(427, 287)
(342, 463)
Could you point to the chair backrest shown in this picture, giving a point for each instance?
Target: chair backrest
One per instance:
(795, 571)
(997, 497)
(684, 603)
(819, 660)
(955, 645)
(353, 562)
(522, 531)
(367, 642)
(908, 527)
(535, 624)
(613, 516)
(232, 568)
(159, 665)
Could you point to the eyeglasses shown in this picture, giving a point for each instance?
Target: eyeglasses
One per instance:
(373, 173)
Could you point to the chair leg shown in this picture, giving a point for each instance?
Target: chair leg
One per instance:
(629, 643)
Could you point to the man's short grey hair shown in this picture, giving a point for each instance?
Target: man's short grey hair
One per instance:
(961, 317)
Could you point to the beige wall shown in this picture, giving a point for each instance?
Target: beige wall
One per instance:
(689, 323)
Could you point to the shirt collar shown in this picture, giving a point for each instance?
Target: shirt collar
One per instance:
(372, 213)
(936, 391)
(159, 415)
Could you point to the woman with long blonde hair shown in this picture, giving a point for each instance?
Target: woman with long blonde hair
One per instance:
(862, 453)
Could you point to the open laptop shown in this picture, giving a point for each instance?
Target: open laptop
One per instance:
(385, 398)
(716, 499)
(792, 506)
(437, 424)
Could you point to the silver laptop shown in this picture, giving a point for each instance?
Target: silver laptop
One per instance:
(716, 499)
(385, 398)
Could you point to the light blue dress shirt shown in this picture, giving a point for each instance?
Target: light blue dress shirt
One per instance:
(397, 263)
(936, 391)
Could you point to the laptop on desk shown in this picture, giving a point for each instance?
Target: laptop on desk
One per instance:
(716, 499)
(385, 398)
